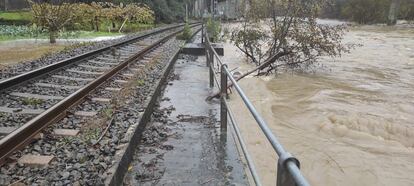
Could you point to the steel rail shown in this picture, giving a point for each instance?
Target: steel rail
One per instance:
(24, 134)
(19, 79)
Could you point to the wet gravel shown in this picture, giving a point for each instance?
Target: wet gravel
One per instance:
(149, 169)
(82, 160)
(35, 89)
(25, 103)
(14, 119)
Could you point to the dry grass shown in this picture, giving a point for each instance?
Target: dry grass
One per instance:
(10, 55)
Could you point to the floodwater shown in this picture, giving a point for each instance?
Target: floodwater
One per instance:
(350, 123)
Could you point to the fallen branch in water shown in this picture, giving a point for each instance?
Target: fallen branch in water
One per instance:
(267, 63)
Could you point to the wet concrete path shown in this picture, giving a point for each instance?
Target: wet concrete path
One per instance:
(182, 144)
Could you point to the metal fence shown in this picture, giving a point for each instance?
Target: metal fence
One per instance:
(288, 167)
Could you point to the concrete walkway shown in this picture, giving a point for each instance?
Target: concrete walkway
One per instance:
(197, 153)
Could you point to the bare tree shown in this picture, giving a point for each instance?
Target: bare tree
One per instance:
(285, 34)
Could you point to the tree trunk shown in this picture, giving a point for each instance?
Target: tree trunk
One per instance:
(92, 24)
(52, 36)
(393, 12)
(6, 5)
(96, 24)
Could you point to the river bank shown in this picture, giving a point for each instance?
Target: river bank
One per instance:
(349, 123)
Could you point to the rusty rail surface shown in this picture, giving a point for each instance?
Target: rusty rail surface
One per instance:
(288, 167)
(24, 134)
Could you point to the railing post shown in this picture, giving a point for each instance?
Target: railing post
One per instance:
(211, 66)
(202, 33)
(223, 95)
(283, 176)
(207, 55)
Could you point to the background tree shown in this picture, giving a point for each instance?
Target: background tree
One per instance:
(53, 17)
(366, 11)
(406, 10)
(113, 13)
(291, 38)
(84, 17)
(370, 11)
(138, 13)
(168, 11)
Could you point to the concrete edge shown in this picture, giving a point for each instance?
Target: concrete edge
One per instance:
(125, 155)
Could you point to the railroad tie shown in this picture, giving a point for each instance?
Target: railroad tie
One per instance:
(128, 75)
(6, 130)
(102, 63)
(35, 160)
(129, 52)
(113, 89)
(72, 78)
(94, 67)
(48, 85)
(84, 72)
(21, 111)
(121, 81)
(101, 100)
(65, 132)
(121, 56)
(85, 113)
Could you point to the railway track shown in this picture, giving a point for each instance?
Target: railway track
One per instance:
(34, 100)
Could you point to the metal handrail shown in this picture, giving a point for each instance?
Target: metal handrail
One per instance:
(243, 147)
(288, 171)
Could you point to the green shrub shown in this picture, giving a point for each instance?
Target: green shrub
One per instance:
(213, 29)
(32, 101)
(20, 31)
(15, 18)
(186, 34)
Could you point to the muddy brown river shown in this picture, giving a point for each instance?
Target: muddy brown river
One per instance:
(350, 123)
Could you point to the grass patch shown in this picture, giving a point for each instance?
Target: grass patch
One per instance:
(107, 112)
(32, 101)
(8, 37)
(91, 135)
(16, 16)
(140, 82)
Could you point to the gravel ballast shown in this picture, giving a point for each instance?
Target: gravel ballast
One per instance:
(85, 159)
